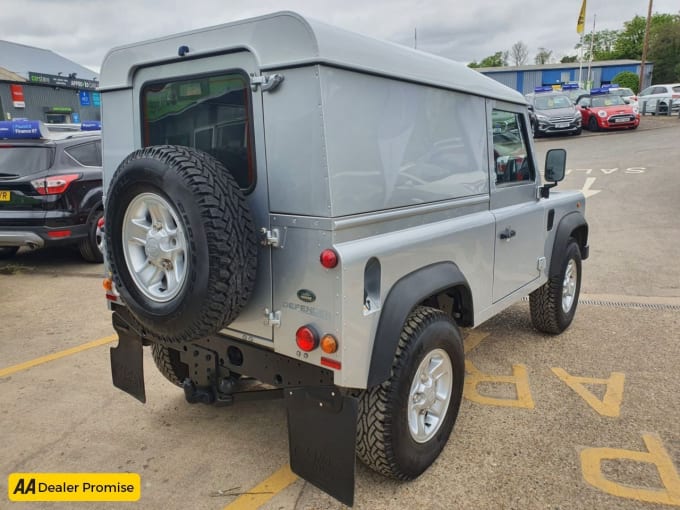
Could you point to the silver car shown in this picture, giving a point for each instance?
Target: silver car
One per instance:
(553, 113)
(656, 99)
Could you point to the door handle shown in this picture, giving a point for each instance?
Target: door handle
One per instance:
(507, 234)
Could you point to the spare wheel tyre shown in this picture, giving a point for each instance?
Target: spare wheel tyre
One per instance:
(180, 242)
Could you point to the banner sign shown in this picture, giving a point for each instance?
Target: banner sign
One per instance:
(84, 98)
(62, 81)
(18, 99)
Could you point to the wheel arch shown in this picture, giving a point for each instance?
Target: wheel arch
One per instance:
(427, 285)
(571, 225)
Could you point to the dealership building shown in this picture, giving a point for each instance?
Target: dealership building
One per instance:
(525, 79)
(39, 84)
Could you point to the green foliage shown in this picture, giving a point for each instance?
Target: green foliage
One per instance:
(567, 59)
(664, 51)
(498, 59)
(603, 45)
(629, 80)
(543, 56)
(631, 38)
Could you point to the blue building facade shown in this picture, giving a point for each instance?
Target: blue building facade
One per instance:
(525, 78)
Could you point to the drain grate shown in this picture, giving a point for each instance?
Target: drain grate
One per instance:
(626, 304)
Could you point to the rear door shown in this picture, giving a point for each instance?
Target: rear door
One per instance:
(208, 104)
(519, 241)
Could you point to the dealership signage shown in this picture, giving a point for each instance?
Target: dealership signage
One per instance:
(18, 99)
(62, 81)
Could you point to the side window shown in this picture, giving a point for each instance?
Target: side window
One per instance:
(584, 101)
(511, 161)
(209, 113)
(86, 154)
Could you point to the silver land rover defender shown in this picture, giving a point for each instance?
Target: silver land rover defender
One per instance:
(322, 212)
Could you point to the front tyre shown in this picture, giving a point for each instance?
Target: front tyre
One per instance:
(554, 304)
(405, 422)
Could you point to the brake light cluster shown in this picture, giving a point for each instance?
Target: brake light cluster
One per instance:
(307, 339)
(55, 184)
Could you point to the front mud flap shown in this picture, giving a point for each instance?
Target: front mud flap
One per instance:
(127, 367)
(322, 426)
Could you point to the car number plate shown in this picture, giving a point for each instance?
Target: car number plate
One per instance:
(621, 120)
(5, 196)
(562, 125)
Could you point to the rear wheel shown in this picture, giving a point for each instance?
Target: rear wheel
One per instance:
(405, 422)
(7, 252)
(91, 248)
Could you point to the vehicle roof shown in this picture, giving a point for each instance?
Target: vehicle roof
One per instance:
(53, 138)
(307, 42)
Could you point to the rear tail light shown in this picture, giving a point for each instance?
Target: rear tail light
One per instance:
(329, 258)
(54, 184)
(59, 234)
(329, 344)
(306, 338)
(100, 223)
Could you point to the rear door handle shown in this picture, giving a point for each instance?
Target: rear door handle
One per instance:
(507, 234)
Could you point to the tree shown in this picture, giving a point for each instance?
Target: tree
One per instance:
(567, 59)
(628, 80)
(543, 56)
(664, 51)
(498, 59)
(519, 53)
(630, 39)
(603, 45)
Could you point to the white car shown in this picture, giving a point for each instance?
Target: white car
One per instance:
(655, 99)
(627, 94)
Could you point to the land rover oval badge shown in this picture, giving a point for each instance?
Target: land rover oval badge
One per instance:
(306, 295)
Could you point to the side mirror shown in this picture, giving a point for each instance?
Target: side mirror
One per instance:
(531, 108)
(555, 165)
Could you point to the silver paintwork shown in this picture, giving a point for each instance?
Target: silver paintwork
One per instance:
(155, 247)
(430, 395)
(14, 238)
(379, 152)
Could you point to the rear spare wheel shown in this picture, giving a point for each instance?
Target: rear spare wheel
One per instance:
(180, 242)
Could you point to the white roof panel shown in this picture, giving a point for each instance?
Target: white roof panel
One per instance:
(286, 39)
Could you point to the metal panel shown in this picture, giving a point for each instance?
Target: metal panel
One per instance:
(306, 42)
(508, 79)
(393, 144)
(551, 77)
(609, 72)
(532, 79)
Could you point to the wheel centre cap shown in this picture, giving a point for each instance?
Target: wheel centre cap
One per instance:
(153, 248)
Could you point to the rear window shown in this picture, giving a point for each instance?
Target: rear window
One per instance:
(209, 113)
(23, 161)
(87, 154)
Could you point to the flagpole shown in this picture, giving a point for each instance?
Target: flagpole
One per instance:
(580, 63)
(592, 40)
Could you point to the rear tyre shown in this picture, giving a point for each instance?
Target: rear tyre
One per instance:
(593, 125)
(405, 422)
(168, 363)
(91, 248)
(180, 241)
(554, 304)
(7, 252)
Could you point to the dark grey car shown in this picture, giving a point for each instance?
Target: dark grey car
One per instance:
(553, 113)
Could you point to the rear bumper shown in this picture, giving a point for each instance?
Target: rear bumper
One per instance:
(38, 237)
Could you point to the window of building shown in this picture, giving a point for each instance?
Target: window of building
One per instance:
(510, 149)
(209, 113)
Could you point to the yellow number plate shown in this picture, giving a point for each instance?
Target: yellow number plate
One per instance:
(5, 196)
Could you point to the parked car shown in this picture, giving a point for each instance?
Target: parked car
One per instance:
(553, 113)
(573, 91)
(657, 98)
(602, 110)
(50, 188)
(627, 94)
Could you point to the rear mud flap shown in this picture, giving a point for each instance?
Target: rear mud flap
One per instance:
(127, 366)
(322, 427)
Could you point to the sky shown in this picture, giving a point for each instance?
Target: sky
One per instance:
(84, 30)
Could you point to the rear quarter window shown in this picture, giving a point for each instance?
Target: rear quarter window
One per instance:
(86, 154)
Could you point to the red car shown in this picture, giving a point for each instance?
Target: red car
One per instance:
(605, 111)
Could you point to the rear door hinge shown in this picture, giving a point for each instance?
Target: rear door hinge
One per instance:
(268, 82)
(540, 265)
(272, 318)
(271, 237)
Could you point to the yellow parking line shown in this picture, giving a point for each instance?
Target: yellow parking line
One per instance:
(57, 355)
(263, 492)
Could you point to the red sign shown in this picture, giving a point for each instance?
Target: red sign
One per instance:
(18, 96)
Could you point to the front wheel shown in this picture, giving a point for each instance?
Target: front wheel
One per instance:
(593, 125)
(405, 422)
(554, 304)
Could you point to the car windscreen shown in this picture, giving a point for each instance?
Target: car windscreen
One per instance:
(622, 92)
(22, 161)
(608, 100)
(552, 102)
